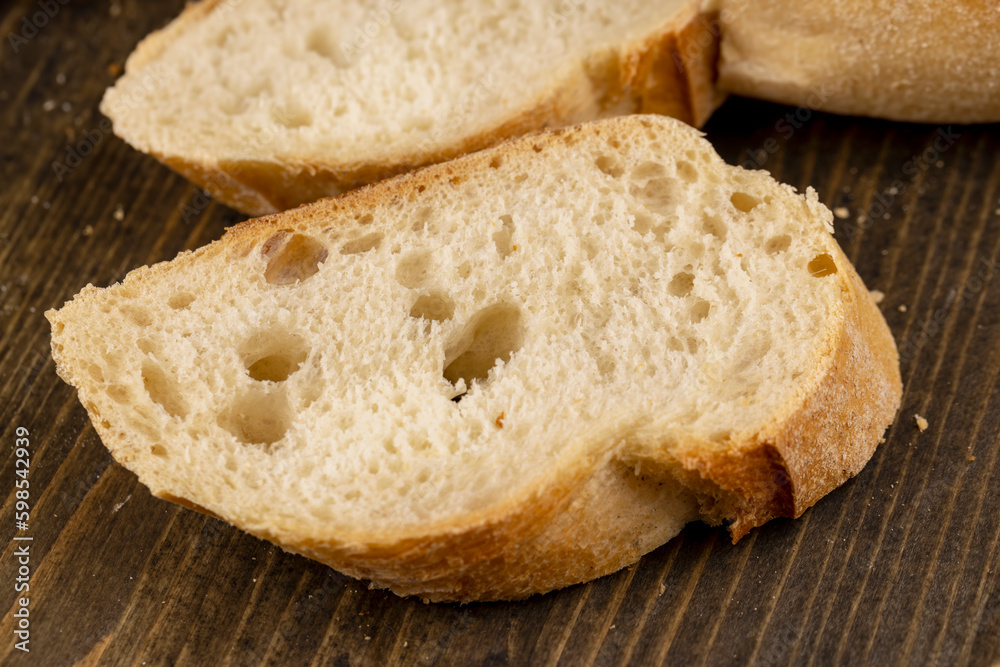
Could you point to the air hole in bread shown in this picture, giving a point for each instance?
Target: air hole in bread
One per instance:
(435, 306)
(643, 223)
(322, 41)
(648, 171)
(777, 244)
(95, 372)
(503, 238)
(292, 115)
(681, 284)
(464, 270)
(365, 219)
(687, 171)
(292, 258)
(659, 194)
(744, 202)
(414, 268)
(275, 367)
(364, 244)
(821, 266)
(138, 315)
(119, 394)
(699, 310)
(610, 165)
(714, 225)
(496, 162)
(163, 390)
(272, 356)
(158, 450)
(259, 417)
(493, 334)
(181, 300)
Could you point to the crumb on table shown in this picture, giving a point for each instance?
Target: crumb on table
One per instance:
(921, 423)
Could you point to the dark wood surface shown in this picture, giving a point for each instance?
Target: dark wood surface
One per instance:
(899, 566)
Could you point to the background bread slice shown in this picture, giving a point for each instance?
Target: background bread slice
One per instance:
(640, 335)
(934, 61)
(272, 104)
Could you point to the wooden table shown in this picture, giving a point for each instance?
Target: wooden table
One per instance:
(899, 566)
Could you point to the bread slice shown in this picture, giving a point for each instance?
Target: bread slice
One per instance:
(272, 103)
(500, 375)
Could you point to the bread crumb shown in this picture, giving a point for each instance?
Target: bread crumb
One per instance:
(972, 458)
(119, 213)
(921, 423)
(499, 421)
(49, 105)
(88, 230)
(902, 308)
(842, 212)
(878, 296)
(663, 589)
(114, 69)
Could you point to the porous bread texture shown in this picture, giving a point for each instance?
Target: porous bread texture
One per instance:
(501, 375)
(273, 103)
(932, 61)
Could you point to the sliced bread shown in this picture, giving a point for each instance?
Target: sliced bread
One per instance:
(501, 375)
(272, 103)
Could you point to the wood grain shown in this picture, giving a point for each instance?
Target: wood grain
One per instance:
(899, 566)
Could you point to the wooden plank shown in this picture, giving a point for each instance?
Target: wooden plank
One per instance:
(900, 565)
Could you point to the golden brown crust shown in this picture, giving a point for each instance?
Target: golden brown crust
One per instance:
(593, 522)
(825, 437)
(668, 74)
(934, 61)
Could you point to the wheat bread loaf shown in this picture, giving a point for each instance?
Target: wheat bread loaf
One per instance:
(501, 375)
(272, 103)
(928, 61)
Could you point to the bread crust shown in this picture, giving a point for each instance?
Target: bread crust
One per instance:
(670, 73)
(936, 61)
(595, 515)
